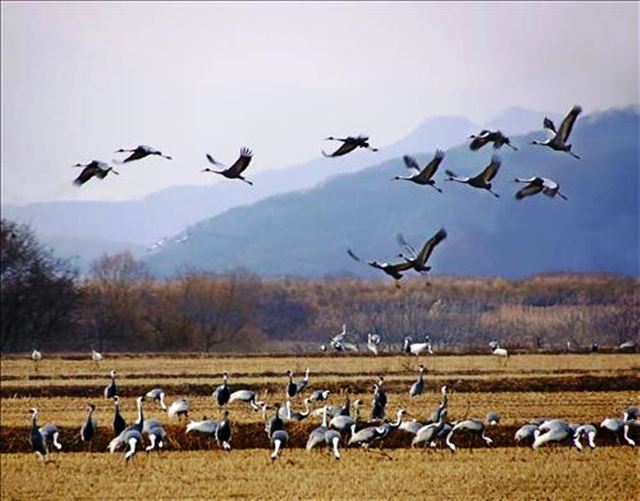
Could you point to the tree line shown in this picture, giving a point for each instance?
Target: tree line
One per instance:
(120, 306)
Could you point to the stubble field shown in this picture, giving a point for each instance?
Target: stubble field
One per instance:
(578, 388)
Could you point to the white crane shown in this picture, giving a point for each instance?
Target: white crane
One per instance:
(482, 180)
(96, 357)
(498, 351)
(373, 341)
(536, 185)
(417, 348)
(558, 141)
(36, 356)
(423, 177)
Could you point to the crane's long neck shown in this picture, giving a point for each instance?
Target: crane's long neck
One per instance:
(398, 421)
(307, 409)
(34, 422)
(163, 406)
(140, 417)
(324, 417)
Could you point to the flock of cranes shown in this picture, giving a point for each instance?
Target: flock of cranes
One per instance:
(422, 176)
(341, 425)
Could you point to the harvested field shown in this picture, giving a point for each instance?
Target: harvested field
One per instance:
(578, 388)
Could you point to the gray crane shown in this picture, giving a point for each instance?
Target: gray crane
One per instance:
(486, 136)
(156, 434)
(418, 386)
(418, 260)
(393, 270)
(221, 394)
(558, 142)
(89, 426)
(37, 441)
(111, 390)
(223, 432)
(472, 425)
(158, 395)
(119, 424)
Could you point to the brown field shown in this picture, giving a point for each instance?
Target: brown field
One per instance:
(580, 388)
(559, 473)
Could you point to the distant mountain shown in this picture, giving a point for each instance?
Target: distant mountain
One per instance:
(130, 224)
(307, 233)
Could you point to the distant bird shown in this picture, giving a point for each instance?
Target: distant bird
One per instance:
(223, 432)
(348, 145)
(236, 170)
(111, 389)
(95, 168)
(422, 177)
(418, 387)
(50, 432)
(36, 356)
(537, 185)
(96, 357)
(37, 441)
(319, 395)
(119, 424)
(627, 346)
(221, 394)
(416, 349)
(247, 396)
(418, 260)
(393, 270)
(157, 394)
(89, 426)
(482, 180)
(373, 341)
(179, 408)
(140, 152)
(499, 352)
(486, 136)
(559, 140)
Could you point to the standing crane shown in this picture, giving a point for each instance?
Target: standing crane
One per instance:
(111, 389)
(558, 142)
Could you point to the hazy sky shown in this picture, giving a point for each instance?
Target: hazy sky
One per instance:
(81, 80)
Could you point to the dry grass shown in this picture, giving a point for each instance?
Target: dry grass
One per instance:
(483, 474)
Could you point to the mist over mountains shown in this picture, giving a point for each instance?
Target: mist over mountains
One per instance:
(277, 229)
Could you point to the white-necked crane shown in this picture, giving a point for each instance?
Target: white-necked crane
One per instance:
(379, 400)
(319, 395)
(111, 390)
(119, 424)
(486, 136)
(560, 137)
(586, 430)
(221, 394)
(223, 432)
(156, 434)
(302, 384)
(247, 396)
(289, 415)
(428, 433)
(236, 170)
(50, 432)
(554, 430)
(472, 425)
(482, 180)
(418, 386)
(89, 426)
(157, 394)
(536, 185)
(140, 152)
(316, 436)
(279, 439)
(368, 436)
(95, 168)
(344, 422)
(393, 270)
(276, 423)
(178, 408)
(348, 145)
(37, 441)
(418, 260)
(422, 177)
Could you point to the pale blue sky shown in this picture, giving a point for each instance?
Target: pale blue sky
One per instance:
(80, 80)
